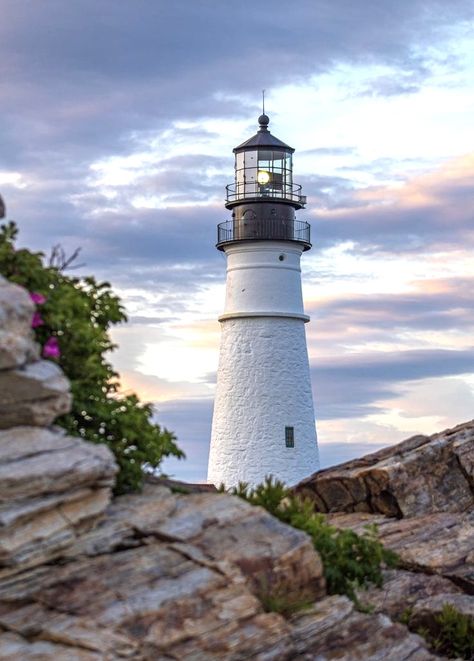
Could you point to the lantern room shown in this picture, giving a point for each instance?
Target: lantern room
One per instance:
(263, 170)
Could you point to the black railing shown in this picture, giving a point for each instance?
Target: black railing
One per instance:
(273, 229)
(252, 190)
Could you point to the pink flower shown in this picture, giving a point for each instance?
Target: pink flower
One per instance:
(37, 298)
(51, 348)
(37, 320)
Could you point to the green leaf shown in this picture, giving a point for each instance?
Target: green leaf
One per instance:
(79, 313)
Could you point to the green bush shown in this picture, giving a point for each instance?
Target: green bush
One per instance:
(449, 633)
(351, 561)
(72, 325)
(454, 633)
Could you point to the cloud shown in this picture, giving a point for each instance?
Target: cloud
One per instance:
(138, 87)
(386, 86)
(328, 151)
(441, 304)
(118, 121)
(87, 76)
(429, 211)
(356, 385)
(332, 454)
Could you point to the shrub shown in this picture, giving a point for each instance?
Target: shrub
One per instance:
(454, 633)
(351, 561)
(450, 633)
(72, 325)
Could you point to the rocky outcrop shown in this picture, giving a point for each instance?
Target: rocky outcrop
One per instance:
(420, 495)
(142, 582)
(333, 629)
(34, 394)
(52, 486)
(172, 576)
(403, 589)
(440, 543)
(188, 573)
(422, 475)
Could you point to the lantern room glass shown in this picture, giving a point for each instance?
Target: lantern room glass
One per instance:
(263, 173)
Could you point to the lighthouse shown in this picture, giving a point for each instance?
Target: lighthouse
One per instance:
(263, 422)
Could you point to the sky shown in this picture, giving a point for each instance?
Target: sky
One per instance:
(118, 121)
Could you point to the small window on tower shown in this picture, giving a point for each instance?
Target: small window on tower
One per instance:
(290, 437)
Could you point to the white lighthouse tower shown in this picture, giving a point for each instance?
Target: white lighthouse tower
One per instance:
(263, 420)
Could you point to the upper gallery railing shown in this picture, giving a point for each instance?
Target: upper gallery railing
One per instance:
(273, 229)
(252, 190)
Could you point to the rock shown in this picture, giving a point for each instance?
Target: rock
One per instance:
(275, 558)
(48, 461)
(332, 629)
(177, 486)
(172, 576)
(403, 589)
(36, 620)
(421, 475)
(440, 543)
(16, 647)
(16, 339)
(155, 598)
(34, 394)
(51, 487)
(32, 391)
(425, 611)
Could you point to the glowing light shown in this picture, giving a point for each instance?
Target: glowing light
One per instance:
(263, 177)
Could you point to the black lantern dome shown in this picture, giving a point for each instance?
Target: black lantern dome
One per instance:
(263, 197)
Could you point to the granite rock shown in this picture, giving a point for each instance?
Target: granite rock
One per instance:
(34, 394)
(424, 612)
(332, 629)
(51, 486)
(419, 476)
(272, 556)
(441, 544)
(16, 339)
(172, 576)
(403, 589)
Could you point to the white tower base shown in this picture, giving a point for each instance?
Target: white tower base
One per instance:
(263, 413)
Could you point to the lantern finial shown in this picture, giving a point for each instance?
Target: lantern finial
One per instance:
(263, 120)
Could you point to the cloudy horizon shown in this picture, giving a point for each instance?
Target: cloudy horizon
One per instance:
(118, 124)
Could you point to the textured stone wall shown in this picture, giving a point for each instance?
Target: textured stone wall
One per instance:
(263, 385)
